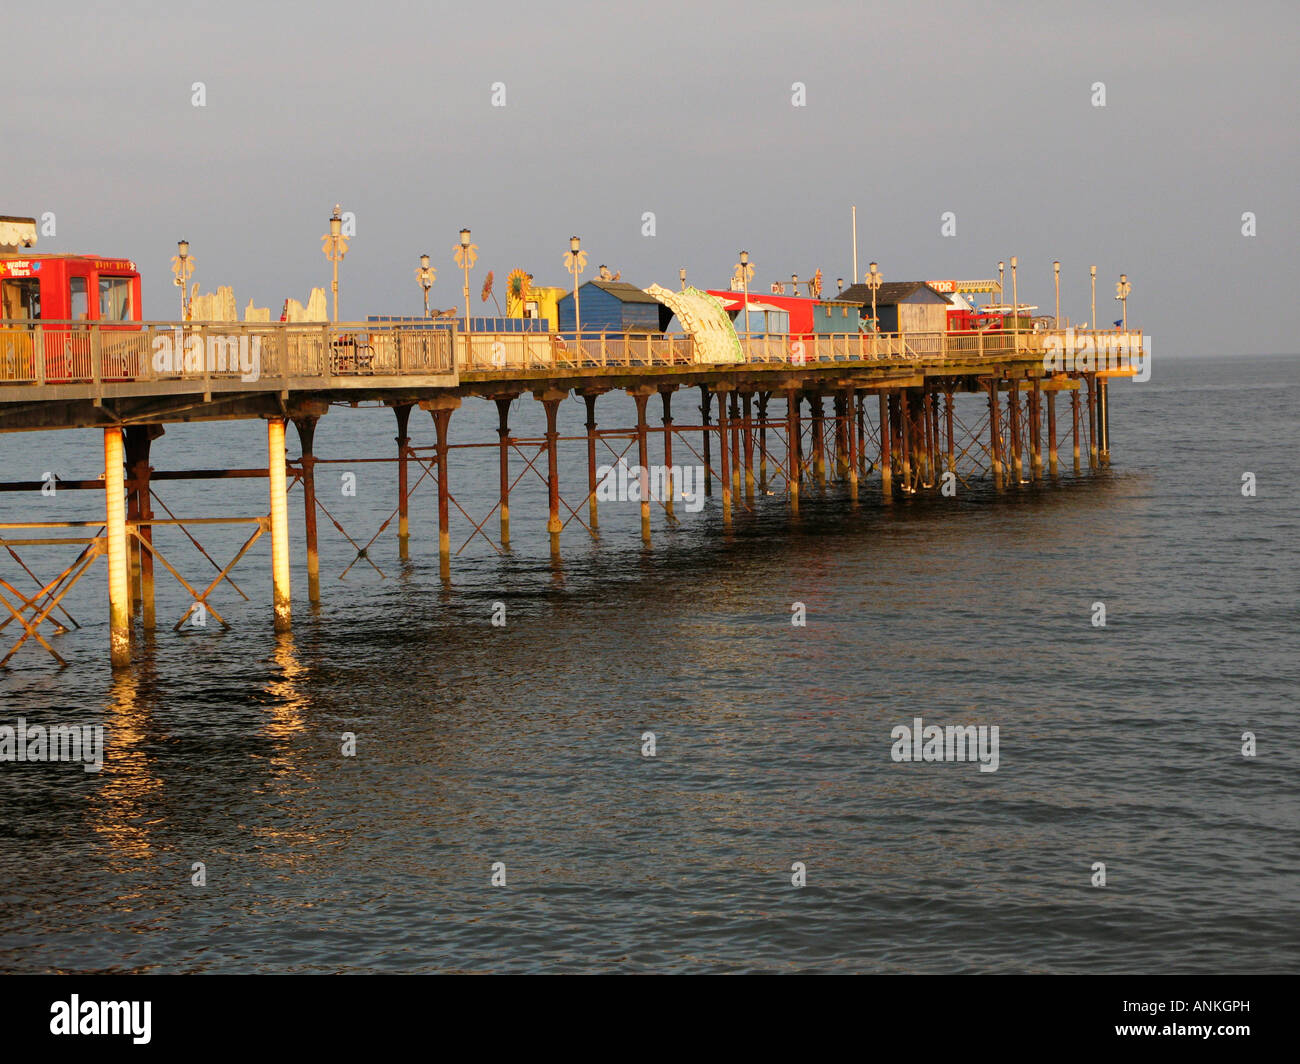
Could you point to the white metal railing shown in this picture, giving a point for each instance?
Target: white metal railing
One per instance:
(92, 353)
(95, 353)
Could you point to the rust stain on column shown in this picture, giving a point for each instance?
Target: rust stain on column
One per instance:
(641, 398)
(306, 427)
(503, 461)
(403, 412)
(1053, 466)
(886, 457)
(724, 472)
(666, 396)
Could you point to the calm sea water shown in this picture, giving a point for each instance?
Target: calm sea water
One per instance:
(522, 745)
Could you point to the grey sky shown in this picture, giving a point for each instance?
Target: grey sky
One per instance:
(684, 110)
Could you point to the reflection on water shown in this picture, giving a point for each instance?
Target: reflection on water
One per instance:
(521, 744)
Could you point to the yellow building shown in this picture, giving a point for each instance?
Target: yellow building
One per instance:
(526, 300)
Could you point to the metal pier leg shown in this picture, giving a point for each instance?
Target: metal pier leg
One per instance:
(503, 435)
(119, 592)
(306, 427)
(734, 422)
(137, 442)
(441, 410)
(763, 397)
(1053, 465)
(724, 472)
(747, 434)
(1013, 429)
(641, 398)
(792, 434)
(905, 427)
(279, 523)
(952, 446)
(850, 402)
(1092, 420)
(706, 403)
(817, 408)
(670, 481)
(1035, 429)
(1074, 412)
(995, 434)
(886, 458)
(403, 412)
(551, 403)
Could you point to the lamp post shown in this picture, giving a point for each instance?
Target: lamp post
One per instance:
(1056, 270)
(1093, 320)
(1015, 306)
(744, 271)
(465, 255)
(1122, 289)
(575, 261)
(794, 284)
(1002, 299)
(874, 281)
(335, 245)
(424, 277)
(839, 284)
(681, 276)
(182, 268)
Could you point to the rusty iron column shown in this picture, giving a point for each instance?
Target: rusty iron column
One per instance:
(851, 470)
(1074, 413)
(706, 404)
(306, 427)
(593, 510)
(995, 433)
(841, 444)
(403, 441)
(1013, 429)
(724, 472)
(817, 411)
(441, 409)
(1103, 418)
(670, 482)
(747, 432)
(641, 397)
(503, 463)
(792, 458)
(138, 439)
(119, 591)
(905, 427)
(886, 458)
(1036, 421)
(1092, 420)
(733, 421)
(763, 397)
(551, 403)
(275, 464)
(130, 446)
(1053, 465)
(861, 401)
(952, 446)
(926, 415)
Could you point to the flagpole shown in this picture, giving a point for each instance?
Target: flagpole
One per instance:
(855, 244)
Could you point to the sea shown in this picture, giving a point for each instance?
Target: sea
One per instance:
(681, 757)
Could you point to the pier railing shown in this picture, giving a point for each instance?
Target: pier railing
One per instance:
(223, 353)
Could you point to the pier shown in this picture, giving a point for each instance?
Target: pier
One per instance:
(896, 414)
